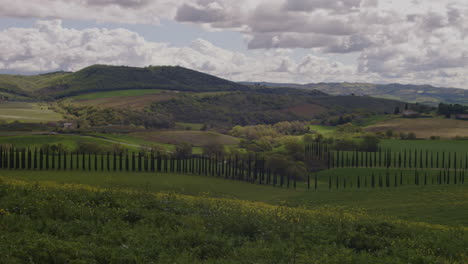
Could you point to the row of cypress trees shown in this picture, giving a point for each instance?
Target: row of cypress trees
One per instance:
(396, 179)
(405, 159)
(251, 168)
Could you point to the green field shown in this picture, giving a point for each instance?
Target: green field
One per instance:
(27, 112)
(459, 146)
(434, 204)
(118, 93)
(134, 140)
(423, 127)
(48, 222)
(70, 142)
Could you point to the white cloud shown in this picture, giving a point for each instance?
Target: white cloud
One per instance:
(417, 41)
(48, 46)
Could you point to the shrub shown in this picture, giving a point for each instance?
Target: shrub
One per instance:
(213, 149)
(183, 151)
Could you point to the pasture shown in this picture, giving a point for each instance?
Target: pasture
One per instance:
(27, 112)
(424, 127)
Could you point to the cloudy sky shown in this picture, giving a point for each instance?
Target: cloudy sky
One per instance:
(380, 41)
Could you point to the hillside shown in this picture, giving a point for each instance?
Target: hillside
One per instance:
(110, 78)
(424, 127)
(265, 107)
(426, 94)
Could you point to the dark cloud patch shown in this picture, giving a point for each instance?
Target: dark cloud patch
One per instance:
(194, 14)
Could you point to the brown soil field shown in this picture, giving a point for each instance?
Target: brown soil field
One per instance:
(424, 127)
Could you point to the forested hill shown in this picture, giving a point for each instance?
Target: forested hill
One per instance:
(108, 78)
(426, 94)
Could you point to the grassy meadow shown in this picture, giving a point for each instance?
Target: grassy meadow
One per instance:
(47, 222)
(27, 112)
(424, 127)
(459, 146)
(86, 217)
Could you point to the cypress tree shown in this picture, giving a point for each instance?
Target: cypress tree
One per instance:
(427, 159)
(121, 161)
(373, 180)
(114, 161)
(315, 182)
(108, 162)
(443, 160)
(83, 161)
(409, 159)
(89, 161)
(59, 162)
(47, 160)
(399, 160)
(329, 182)
(449, 162)
(404, 159)
(71, 161)
(96, 161)
(358, 182)
(65, 160)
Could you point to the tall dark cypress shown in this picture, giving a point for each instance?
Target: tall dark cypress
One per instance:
(443, 160)
(59, 161)
(89, 162)
(121, 161)
(108, 161)
(315, 182)
(358, 182)
(77, 160)
(114, 162)
(427, 159)
(96, 161)
(65, 160)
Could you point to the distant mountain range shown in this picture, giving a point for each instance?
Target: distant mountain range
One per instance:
(426, 94)
(98, 78)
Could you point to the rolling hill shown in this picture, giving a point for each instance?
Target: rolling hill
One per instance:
(426, 94)
(99, 78)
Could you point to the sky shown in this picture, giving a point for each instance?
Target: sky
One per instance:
(300, 41)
